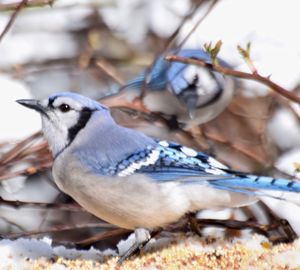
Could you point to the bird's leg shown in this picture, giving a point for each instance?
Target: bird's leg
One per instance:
(194, 224)
(172, 123)
(142, 237)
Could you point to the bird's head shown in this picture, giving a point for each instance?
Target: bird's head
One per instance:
(64, 115)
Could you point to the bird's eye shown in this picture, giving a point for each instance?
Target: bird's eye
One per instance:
(64, 108)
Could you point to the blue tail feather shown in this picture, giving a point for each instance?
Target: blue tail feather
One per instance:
(258, 182)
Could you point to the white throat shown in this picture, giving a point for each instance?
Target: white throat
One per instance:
(56, 136)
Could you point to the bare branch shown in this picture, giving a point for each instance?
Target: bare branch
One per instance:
(172, 39)
(56, 206)
(29, 3)
(235, 73)
(101, 236)
(12, 18)
(212, 5)
(110, 71)
(59, 228)
(15, 151)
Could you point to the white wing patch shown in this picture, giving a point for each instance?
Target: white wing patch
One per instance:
(164, 143)
(215, 171)
(189, 151)
(213, 162)
(151, 159)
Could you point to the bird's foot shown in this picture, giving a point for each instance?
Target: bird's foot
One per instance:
(142, 237)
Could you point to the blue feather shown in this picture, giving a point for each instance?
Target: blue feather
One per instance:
(163, 72)
(259, 182)
(173, 164)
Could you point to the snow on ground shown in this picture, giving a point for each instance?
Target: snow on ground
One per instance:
(182, 252)
(15, 254)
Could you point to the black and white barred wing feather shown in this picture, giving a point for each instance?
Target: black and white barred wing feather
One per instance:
(169, 161)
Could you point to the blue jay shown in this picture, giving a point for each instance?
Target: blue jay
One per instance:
(131, 180)
(192, 94)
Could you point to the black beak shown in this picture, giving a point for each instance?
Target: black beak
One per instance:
(33, 104)
(189, 99)
(191, 105)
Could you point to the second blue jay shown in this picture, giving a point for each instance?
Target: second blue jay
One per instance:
(192, 94)
(131, 180)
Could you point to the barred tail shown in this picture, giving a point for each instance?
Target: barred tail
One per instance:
(254, 182)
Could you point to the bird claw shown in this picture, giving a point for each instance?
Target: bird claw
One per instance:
(142, 237)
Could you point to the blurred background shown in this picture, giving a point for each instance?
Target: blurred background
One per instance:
(57, 45)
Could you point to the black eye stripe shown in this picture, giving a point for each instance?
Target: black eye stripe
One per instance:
(50, 102)
(84, 117)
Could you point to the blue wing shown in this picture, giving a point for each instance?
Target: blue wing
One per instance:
(170, 161)
(164, 73)
(174, 162)
(175, 74)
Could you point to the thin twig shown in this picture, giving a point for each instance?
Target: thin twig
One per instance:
(56, 206)
(287, 104)
(212, 5)
(110, 71)
(235, 73)
(171, 41)
(12, 223)
(26, 172)
(101, 236)
(12, 18)
(29, 3)
(281, 227)
(18, 148)
(31, 151)
(59, 228)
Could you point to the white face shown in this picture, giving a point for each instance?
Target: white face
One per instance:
(206, 85)
(62, 115)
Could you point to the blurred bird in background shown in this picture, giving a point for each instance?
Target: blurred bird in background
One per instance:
(186, 95)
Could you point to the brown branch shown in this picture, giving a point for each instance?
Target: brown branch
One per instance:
(13, 17)
(26, 172)
(101, 236)
(29, 3)
(110, 71)
(32, 150)
(277, 231)
(59, 228)
(212, 5)
(171, 40)
(12, 223)
(18, 148)
(56, 206)
(235, 73)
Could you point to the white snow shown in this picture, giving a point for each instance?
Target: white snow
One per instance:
(284, 129)
(14, 253)
(132, 19)
(17, 122)
(288, 161)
